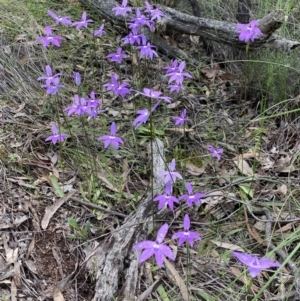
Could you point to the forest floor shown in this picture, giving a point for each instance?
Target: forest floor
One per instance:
(49, 221)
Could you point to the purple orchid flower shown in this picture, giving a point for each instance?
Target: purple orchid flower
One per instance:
(166, 199)
(180, 120)
(84, 22)
(156, 248)
(118, 89)
(49, 78)
(100, 31)
(170, 175)
(191, 197)
(56, 136)
(118, 56)
(53, 86)
(49, 39)
(248, 32)
(186, 235)
(123, 9)
(178, 75)
(215, 152)
(111, 139)
(155, 13)
(255, 265)
(135, 38)
(146, 51)
(142, 118)
(60, 20)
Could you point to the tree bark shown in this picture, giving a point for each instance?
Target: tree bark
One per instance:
(116, 262)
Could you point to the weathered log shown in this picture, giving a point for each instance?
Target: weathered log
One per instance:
(116, 262)
(219, 31)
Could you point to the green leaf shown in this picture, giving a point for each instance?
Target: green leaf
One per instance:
(56, 186)
(163, 293)
(72, 222)
(247, 189)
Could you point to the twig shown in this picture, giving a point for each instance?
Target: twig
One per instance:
(97, 207)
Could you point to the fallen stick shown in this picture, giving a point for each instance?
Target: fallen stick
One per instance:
(115, 261)
(219, 31)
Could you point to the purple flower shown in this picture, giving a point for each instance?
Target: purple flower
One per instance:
(135, 37)
(170, 175)
(190, 197)
(248, 31)
(100, 31)
(77, 78)
(112, 138)
(186, 235)
(178, 75)
(155, 13)
(146, 51)
(56, 136)
(60, 20)
(49, 39)
(166, 199)
(180, 120)
(172, 68)
(118, 56)
(123, 9)
(49, 78)
(79, 106)
(215, 152)
(155, 95)
(141, 20)
(53, 86)
(92, 101)
(144, 116)
(118, 89)
(255, 265)
(156, 248)
(83, 23)
(175, 88)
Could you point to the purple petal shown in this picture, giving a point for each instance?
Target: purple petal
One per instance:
(189, 187)
(186, 223)
(146, 254)
(254, 271)
(146, 244)
(159, 257)
(113, 129)
(162, 233)
(243, 257)
(167, 251)
(54, 129)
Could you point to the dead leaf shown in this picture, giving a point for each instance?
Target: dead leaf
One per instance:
(283, 189)
(182, 287)
(152, 288)
(13, 291)
(285, 228)
(228, 246)
(11, 255)
(243, 166)
(57, 295)
(107, 183)
(49, 212)
(194, 170)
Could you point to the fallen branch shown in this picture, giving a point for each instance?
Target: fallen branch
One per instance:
(116, 262)
(219, 31)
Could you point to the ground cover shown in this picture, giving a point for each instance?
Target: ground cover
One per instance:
(62, 203)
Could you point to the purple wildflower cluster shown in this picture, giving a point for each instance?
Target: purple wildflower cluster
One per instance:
(156, 248)
(91, 106)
